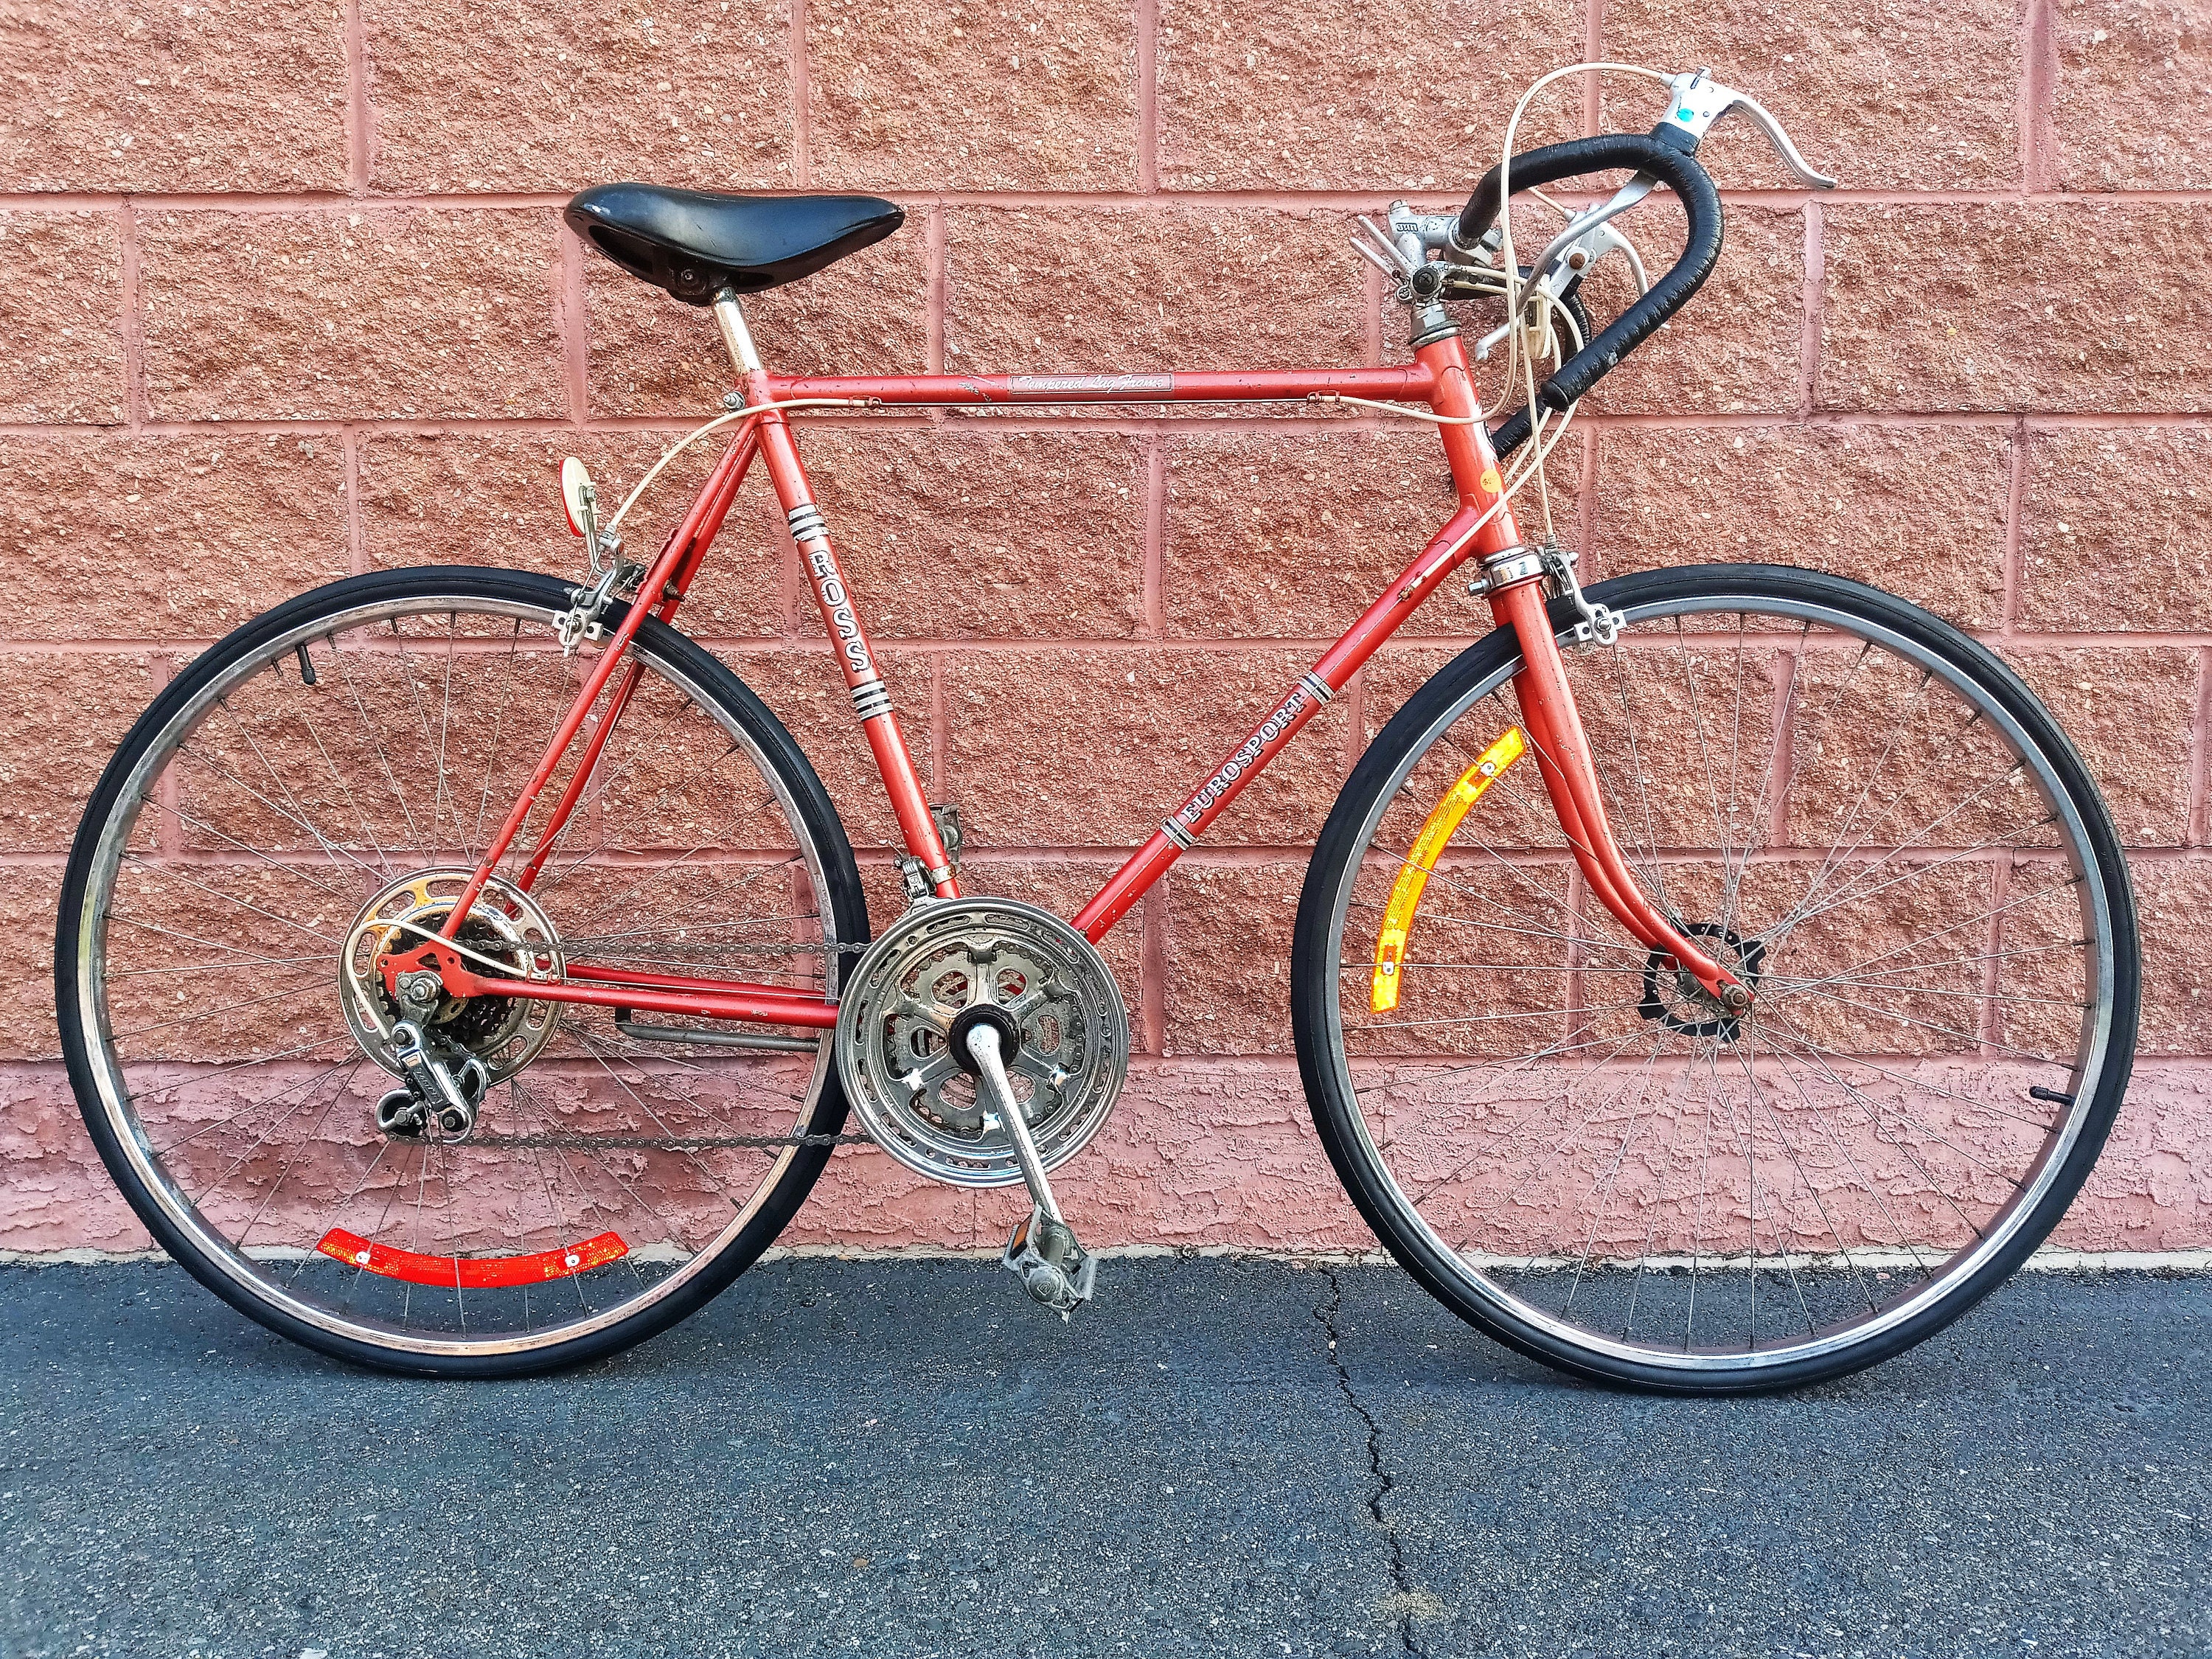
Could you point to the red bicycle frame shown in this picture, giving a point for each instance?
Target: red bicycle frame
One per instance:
(1482, 527)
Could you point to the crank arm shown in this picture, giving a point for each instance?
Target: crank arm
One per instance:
(1043, 1252)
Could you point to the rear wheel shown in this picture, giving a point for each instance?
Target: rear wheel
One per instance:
(1876, 826)
(331, 773)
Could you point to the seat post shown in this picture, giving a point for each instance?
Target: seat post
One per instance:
(730, 316)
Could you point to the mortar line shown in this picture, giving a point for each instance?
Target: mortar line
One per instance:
(2015, 500)
(1586, 520)
(169, 833)
(1292, 855)
(940, 730)
(1267, 646)
(1152, 597)
(1347, 200)
(1152, 969)
(1355, 720)
(1279, 648)
(574, 323)
(1814, 305)
(795, 585)
(357, 531)
(1036, 418)
(1592, 53)
(937, 281)
(2200, 754)
(2036, 85)
(1148, 96)
(1377, 299)
(131, 322)
(802, 129)
(358, 118)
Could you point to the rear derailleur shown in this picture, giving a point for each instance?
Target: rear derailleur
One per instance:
(443, 1085)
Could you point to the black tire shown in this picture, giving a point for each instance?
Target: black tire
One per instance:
(1489, 1296)
(81, 936)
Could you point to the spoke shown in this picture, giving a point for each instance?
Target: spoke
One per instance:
(1975, 1042)
(1485, 1019)
(1869, 1105)
(491, 761)
(1845, 977)
(301, 989)
(383, 758)
(299, 813)
(436, 750)
(1820, 1121)
(705, 1173)
(1513, 1131)
(1811, 987)
(1804, 911)
(186, 752)
(1897, 731)
(1759, 1100)
(384, 864)
(236, 1164)
(1635, 952)
(383, 1146)
(313, 1135)
(236, 1065)
(186, 818)
(175, 874)
(166, 1147)
(1609, 1185)
(1981, 917)
(1796, 1033)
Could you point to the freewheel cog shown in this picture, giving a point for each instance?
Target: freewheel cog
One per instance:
(505, 926)
(936, 972)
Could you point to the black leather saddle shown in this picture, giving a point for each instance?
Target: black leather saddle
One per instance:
(695, 243)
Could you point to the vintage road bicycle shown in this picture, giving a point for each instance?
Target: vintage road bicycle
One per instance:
(1714, 979)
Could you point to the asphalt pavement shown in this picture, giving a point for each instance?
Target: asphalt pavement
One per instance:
(1231, 1457)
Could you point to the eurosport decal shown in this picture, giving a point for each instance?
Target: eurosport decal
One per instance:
(1277, 725)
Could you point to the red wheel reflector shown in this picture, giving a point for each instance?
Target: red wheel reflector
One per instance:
(472, 1272)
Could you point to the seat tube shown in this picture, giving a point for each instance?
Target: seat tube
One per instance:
(872, 698)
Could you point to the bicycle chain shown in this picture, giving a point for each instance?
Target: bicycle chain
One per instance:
(687, 1144)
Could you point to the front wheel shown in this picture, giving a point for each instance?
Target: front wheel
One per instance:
(1881, 830)
(314, 791)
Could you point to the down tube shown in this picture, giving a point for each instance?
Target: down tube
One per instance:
(1449, 548)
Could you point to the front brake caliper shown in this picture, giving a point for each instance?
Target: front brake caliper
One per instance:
(1421, 861)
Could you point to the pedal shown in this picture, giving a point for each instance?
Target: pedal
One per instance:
(1054, 1268)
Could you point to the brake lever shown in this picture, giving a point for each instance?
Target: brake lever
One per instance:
(1775, 135)
(1695, 101)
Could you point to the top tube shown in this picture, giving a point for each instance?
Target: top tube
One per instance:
(1404, 381)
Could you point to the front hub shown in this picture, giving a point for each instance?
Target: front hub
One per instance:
(1673, 996)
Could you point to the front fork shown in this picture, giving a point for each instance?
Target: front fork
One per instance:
(1555, 733)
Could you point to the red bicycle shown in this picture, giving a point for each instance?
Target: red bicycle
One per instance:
(1715, 979)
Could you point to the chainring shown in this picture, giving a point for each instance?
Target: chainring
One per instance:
(947, 959)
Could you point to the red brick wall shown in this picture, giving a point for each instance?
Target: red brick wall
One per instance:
(285, 296)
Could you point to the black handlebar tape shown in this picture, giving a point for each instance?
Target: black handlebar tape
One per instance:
(1701, 205)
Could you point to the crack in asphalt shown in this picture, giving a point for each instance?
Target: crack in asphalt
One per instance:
(1402, 1584)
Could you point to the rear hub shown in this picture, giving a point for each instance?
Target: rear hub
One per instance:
(506, 934)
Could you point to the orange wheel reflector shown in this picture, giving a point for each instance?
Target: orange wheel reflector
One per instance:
(1421, 859)
(472, 1272)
